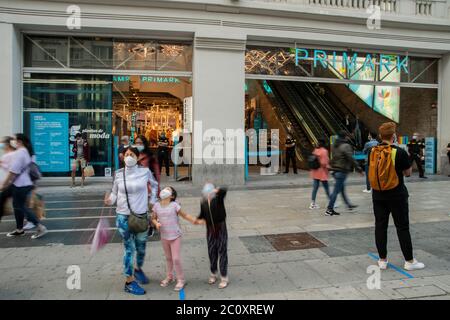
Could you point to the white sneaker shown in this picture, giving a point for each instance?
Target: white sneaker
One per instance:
(367, 191)
(415, 265)
(383, 264)
(313, 206)
(40, 232)
(29, 226)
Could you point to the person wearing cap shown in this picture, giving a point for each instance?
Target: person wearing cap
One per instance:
(213, 215)
(393, 201)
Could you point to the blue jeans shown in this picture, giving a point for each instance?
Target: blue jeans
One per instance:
(133, 243)
(20, 197)
(316, 184)
(339, 187)
(368, 187)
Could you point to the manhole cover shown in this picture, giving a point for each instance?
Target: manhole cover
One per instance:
(293, 241)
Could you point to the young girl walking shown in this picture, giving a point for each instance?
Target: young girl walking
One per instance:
(165, 219)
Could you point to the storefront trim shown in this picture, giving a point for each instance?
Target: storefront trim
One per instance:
(108, 72)
(341, 81)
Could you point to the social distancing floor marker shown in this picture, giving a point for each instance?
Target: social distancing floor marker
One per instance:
(390, 265)
(182, 294)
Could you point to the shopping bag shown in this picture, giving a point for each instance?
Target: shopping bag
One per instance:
(89, 171)
(101, 235)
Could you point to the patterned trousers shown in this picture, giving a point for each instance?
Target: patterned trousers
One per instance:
(217, 238)
(133, 243)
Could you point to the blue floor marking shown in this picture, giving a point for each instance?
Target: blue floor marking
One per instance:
(390, 265)
(182, 295)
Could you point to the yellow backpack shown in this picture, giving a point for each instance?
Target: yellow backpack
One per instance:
(382, 174)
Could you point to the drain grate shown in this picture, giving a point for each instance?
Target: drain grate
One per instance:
(293, 241)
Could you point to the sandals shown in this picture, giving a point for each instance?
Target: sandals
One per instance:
(223, 283)
(164, 283)
(180, 285)
(212, 279)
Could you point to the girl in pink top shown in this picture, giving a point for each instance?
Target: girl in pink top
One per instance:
(165, 218)
(321, 174)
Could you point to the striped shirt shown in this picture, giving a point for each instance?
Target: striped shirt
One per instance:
(167, 216)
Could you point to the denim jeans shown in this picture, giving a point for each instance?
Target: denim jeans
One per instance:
(316, 184)
(20, 197)
(368, 187)
(133, 243)
(339, 187)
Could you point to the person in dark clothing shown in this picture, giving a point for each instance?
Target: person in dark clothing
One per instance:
(415, 150)
(290, 153)
(342, 164)
(394, 201)
(163, 153)
(213, 214)
(448, 154)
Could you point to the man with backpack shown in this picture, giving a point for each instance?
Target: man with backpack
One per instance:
(342, 164)
(388, 164)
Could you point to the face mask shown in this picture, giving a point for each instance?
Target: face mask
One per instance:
(165, 193)
(130, 161)
(140, 148)
(13, 144)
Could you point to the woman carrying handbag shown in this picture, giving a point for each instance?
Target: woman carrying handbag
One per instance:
(131, 194)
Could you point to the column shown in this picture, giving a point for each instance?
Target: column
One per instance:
(10, 75)
(218, 108)
(443, 140)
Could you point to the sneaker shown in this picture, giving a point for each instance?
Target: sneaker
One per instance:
(134, 288)
(415, 265)
(331, 212)
(15, 234)
(41, 232)
(29, 226)
(383, 264)
(180, 285)
(313, 206)
(367, 191)
(351, 207)
(141, 277)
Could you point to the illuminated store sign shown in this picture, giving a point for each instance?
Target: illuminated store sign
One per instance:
(151, 79)
(388, 62)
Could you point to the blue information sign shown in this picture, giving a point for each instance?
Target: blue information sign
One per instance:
(430, 155)
(50, 139)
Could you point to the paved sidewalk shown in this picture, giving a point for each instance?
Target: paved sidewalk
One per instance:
(337, 270)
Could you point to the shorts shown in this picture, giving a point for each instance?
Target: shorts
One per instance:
(76, 163)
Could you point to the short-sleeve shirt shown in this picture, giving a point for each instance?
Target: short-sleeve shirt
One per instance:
(20, 162)
(401, 163)
(168, 218)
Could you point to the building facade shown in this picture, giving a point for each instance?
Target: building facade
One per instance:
(71, 66)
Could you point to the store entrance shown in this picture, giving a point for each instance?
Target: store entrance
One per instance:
(151, 106)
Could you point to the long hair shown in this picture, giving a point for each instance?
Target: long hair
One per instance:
(26, 142)
(146, 150)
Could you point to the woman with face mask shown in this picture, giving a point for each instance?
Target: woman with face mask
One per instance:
(130, 190)
(146, 157)
(21, 185)
(5, 161)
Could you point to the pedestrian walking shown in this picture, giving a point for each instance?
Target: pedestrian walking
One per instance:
(21, 184)
(81, 156)
(290, 153)
(163, 153)
(448, 155)
(5, 165)
(213, 215)
(415, 150)
(341, 164)
(388, 164)
(130, 191)
(165, 217)
(319, 173)
(372, 142)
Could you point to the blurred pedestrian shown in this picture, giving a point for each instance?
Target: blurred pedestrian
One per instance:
(320, 175)
(342, 164)
(372, 142)
(416, 150)
(5, 165)
(163, 153)
(81, 159)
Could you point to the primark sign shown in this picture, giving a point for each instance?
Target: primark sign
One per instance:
(152, 79)
(352, 60)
